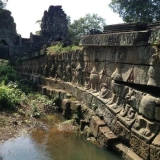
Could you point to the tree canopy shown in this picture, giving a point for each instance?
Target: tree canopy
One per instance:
(83, 25)
(137, 10)
(2, 4)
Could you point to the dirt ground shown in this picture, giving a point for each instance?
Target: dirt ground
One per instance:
(13, 124)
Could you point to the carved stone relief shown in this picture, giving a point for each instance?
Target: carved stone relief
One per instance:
(145, 129)
(127, 115)
(148, 106)
(139, 146)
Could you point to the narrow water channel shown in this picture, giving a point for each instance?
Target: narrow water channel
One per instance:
(53, 144)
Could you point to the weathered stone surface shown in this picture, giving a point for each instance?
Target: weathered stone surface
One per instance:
(156, 141)
(106, 115)
(88, 113)
(121, 131)
(140, 74)
(87, 98)
(54, 25)
(66, 106)
(10, 41)
(154, 153)
(140, 147)
(126, 152)
(106, 137)
(95, 123)
(148, 106)
(127, 115)
(145, 129)
(119, 39)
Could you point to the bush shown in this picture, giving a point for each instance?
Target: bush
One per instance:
(10, 96)
(7, 72)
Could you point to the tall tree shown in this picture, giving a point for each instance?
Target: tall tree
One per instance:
(137, 10)
(83, 25)
(2, 4)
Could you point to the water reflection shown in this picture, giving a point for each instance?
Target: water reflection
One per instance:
(52, 144)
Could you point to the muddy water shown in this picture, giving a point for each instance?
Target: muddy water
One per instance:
(52, 144)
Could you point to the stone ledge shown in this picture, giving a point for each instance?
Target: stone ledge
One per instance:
(126, 152)
(117, 39)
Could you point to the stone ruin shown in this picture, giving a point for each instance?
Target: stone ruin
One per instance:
(10, 41)
(54, 25)
(53, 29)
(115, 79)
(111, 85)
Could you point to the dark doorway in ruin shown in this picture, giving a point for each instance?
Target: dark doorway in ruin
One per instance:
(58, 39)
(3, 42)
(4, 50)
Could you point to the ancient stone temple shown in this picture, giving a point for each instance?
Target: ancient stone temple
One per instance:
(115, 79)
(54, 25)
(53, 28)
(10, 42)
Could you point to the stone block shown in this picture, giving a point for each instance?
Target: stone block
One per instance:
(86, 98)
(126, 152)
(95, 102)
(147, 106)
(157, 113)
(106, 137)
(140, 74)
(79, 94)
(66, 106)
(74, 91)
(108, 117)
(154, 152)
(44, 90)
(88, 113)
(145, 129)
(156, 141)
(140, 147)
(121, 131)
(95, 123)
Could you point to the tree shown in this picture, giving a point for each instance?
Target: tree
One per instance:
(2, 4)
(137, 10)
(83, 25)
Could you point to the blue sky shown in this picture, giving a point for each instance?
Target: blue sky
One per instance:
(27, 12)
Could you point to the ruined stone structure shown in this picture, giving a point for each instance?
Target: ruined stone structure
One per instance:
(53, 28)
(115, 80)
(10, 41)
(54, 25)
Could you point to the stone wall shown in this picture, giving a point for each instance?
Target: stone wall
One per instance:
(115, 79)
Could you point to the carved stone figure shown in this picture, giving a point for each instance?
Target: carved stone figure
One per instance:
(103, 90)
(153, 71)
(120, 55)
(78, 71)
(148, 105)
(144, 128)
(94, 77)
(52, 71)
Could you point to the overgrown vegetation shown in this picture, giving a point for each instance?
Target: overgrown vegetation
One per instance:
(14, 94)
(60, 49)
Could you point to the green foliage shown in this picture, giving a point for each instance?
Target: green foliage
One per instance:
(137, 10)
(82, 26)
(10, 96)
(60, 49)
(7, 72)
